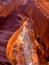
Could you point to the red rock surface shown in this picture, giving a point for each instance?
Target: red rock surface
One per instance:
(21, 46)
(41, 19)
(39, 11)
(7, 27)
(6, 7)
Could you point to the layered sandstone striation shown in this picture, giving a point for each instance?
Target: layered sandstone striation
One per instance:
(41, 20)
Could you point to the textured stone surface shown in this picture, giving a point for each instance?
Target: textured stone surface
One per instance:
(6, 7)
(39, 10)
(41, 19)
(8, 26)
(21, 46)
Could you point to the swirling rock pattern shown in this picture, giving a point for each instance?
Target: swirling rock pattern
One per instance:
(22, 49)
(39, 11)
(41, 20)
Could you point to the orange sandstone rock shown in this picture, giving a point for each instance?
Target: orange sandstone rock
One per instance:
(6, 7)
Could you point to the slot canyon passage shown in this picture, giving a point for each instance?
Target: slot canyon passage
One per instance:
(24, 32)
